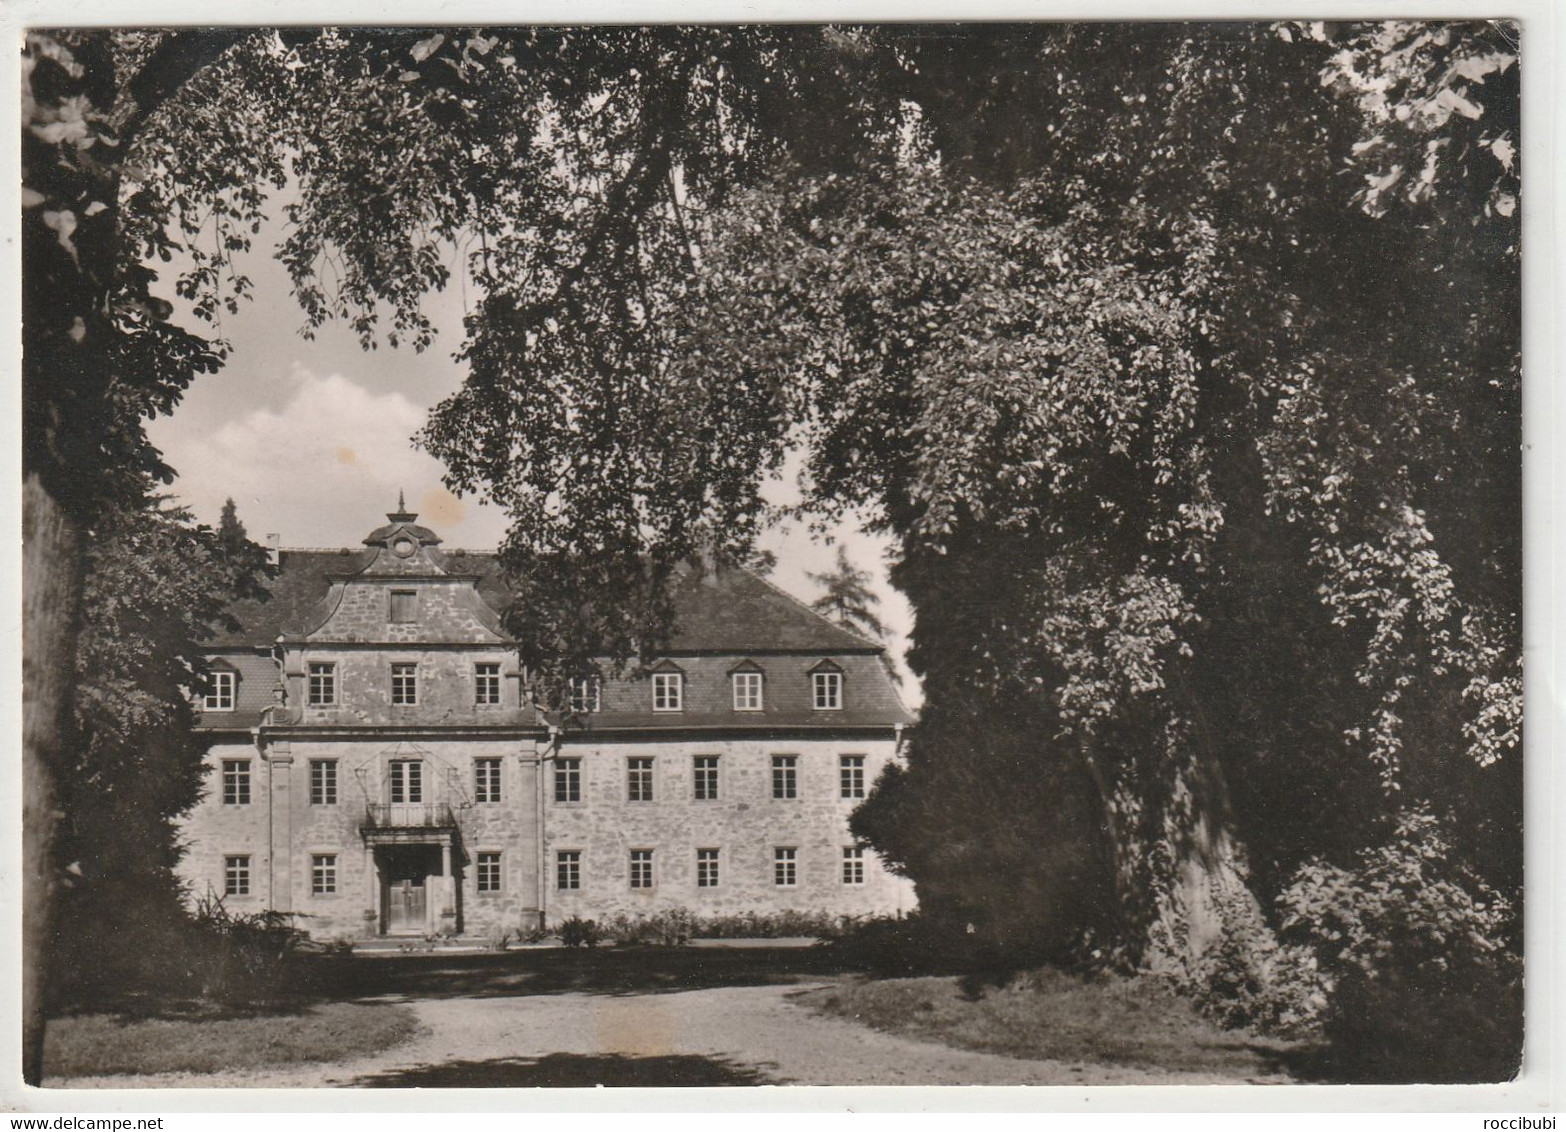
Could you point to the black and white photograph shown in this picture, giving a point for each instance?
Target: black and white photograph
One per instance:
(683, 554)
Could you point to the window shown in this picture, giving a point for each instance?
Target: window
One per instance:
(405, 684)
(828, 690)
(568, 870)
(220, 691)
(486, 683)
(489, 872)
(407, 781)
(666, 691)
(706, 868)
(323, 782)
(236, 782)
(486, 780)
(639, 780)
(784, 864)
(853, 864)
(323, 874)
(586, 694)
(236, 875)
(641, 868)
(404, 607)
(705, 771)
(851, 776)
(747, 691)
(568, 780)
(323, 684)
(785, 776)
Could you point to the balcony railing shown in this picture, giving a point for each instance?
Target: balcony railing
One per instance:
(409, 815)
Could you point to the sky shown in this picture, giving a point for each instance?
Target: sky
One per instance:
(312, 438)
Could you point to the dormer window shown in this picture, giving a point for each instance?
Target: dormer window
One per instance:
(668, 691)
(826, 689)
(747, 689)
(220, 690)
(586, 695)
(404, 607)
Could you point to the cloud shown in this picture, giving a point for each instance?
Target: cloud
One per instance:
(321, 469)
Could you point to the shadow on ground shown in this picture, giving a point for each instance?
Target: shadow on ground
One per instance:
(569, 1071)
(616, 971)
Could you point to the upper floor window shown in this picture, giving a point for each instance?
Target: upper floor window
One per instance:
(486, 683)
(704, 768)
(220, 691)
(639, 780)
(586, 694)
(851, 776)
(236, 782)
(747, 691)
(323, 684)
(826, 690)
(405, 684)
(667, 691)
(486, 780)
(785, 776)
(404, 607)
(323, 782)
(407, 780)
(568, 780)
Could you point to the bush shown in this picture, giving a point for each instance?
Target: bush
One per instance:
(577, 932)
(662, 929)
(1420, 958)
(776, 925)
(240, 959)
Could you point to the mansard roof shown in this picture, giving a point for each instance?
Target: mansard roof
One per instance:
(728, 611)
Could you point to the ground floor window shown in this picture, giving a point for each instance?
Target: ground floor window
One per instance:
(706, 868)
(641, 868)
(568, 870)
(323, 874)
(236, 875)
(853, 864)
(236, 782)
(489, 872)
(785, 867)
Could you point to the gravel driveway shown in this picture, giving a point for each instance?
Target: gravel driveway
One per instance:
(747, 1035)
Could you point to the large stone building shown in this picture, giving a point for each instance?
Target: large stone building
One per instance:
(378, 768)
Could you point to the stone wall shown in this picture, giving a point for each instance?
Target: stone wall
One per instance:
(745, 824)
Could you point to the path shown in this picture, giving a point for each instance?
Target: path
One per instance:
(745, 1035)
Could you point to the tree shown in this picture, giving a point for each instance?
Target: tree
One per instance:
(848, 599)
(157, 586)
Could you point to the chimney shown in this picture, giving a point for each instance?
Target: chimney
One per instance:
(274, 544)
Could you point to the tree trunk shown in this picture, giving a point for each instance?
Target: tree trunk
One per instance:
(51, 617)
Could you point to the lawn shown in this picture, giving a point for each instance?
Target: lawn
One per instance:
(1049, 1014)
(102, 1044)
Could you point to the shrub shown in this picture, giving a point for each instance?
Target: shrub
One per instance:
(240, 958)
(775, 925)
(577, 932)
(663, 929)
(1421, 961)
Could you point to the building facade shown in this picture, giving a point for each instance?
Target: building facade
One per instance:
(379, 768)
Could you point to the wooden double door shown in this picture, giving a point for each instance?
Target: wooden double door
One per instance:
(405, 887)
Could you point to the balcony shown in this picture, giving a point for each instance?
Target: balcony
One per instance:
(408, 821)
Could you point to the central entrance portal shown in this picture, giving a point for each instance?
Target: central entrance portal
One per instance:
(406, 875)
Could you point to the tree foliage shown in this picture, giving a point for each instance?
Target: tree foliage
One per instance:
(848, 598)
